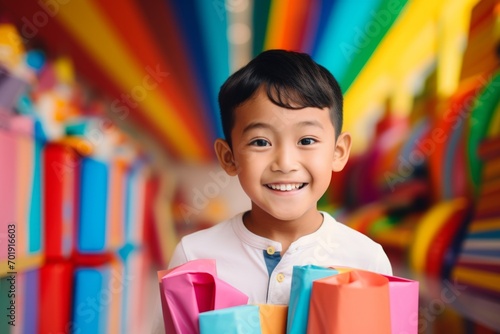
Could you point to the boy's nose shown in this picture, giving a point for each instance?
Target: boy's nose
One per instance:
(284, 160)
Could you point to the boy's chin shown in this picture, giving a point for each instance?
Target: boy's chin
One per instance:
(287, 216)
(286, 211)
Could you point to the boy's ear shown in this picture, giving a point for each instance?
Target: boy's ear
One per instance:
(225, 156)
(342, 151)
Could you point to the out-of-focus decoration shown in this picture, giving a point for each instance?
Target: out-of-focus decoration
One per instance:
(75, 200)
(477, 265)
(162, 62)
(425, 187)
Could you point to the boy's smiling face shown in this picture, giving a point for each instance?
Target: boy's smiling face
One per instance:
(283, 157)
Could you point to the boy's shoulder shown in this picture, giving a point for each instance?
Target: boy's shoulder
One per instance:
(356, 249)
(346, 234)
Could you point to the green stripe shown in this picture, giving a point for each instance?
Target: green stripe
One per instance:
(482, 112)
(260, 22)
(373, 31)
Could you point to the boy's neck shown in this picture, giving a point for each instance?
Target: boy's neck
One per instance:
(261, 223)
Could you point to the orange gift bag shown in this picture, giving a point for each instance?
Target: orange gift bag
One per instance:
(352, 302)
(273, 318)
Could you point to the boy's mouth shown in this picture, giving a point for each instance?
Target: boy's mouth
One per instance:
(285, 186)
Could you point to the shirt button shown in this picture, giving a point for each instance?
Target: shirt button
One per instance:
(280, 277)
(270, 250)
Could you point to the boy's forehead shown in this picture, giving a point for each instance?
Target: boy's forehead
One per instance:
(262, 111)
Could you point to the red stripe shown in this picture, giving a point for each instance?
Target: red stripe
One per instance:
(492, 268)
(136, 34)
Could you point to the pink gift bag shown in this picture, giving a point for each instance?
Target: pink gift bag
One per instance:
(192, 288)
(403, 296)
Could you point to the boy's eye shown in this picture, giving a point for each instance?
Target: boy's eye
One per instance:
(260, 142)
(306, 141)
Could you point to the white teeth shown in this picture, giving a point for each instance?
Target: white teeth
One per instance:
(285, 187)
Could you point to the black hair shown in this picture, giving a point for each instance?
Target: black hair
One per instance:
(292, 80)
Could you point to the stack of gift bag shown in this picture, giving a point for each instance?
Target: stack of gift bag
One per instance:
(322, 300)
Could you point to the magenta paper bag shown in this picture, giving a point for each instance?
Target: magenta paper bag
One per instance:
(192, 288)
(403, 296)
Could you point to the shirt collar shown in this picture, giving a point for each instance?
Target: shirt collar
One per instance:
(259, 242)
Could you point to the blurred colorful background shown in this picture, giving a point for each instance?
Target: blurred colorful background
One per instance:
(108, 113)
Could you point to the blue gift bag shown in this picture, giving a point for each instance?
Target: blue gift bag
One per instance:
(243, 319)
(300, 295)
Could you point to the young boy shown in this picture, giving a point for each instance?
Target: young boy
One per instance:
(282, 119)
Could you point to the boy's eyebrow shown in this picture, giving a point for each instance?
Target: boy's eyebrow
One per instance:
(311, 123)
(260, 125)
(256, 125)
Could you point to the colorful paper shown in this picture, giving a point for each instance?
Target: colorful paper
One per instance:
(8, 190)
(95, 290)
(56, 293)
(92, 225)
(61, 175)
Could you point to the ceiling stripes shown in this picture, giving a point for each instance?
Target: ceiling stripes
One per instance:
(165, 60)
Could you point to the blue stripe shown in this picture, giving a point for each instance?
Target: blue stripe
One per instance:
(483, 252)
(325, 11)
(343, 29)
(492, 234)
(214, 31)
(189, 23)
(417, 134)
(451, 151)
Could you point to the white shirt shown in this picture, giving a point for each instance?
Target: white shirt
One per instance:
(240, 258)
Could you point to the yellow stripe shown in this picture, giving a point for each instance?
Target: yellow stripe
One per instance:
(276, 25)
(81, 145)
(484, 225)
(88, 25)
(22, 264)
(408, 47)
(454, 22)
(396, 237)
(478, 278)
(428, 227)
